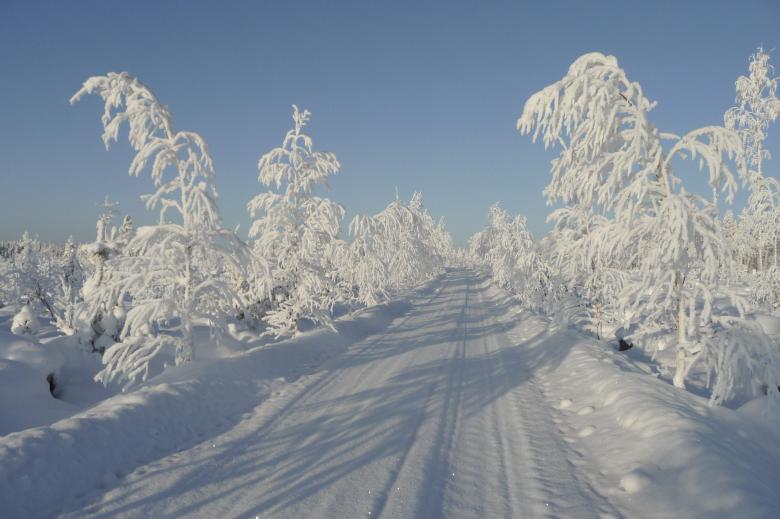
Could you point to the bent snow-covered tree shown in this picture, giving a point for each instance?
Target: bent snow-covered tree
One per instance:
(614, 162)
(177, 269)
(507, 248)
(296, 230)
(395, 249)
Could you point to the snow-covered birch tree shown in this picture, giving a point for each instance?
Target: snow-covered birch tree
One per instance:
(589, 267)
(395, 249)
(177, 269)
(508, 249)
(71, 282)
(614, 162)
(757, 107)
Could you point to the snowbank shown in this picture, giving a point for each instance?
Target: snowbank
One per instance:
(657, 451)
(650, 449)
(25, 398)
(44, 470)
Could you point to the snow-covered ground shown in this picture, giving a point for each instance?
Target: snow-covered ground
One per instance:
(452, 402)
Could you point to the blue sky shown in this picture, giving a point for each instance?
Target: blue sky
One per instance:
(415, 94)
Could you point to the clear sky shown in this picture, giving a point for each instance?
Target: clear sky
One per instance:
(415, 94)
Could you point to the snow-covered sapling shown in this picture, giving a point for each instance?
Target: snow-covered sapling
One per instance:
(295, 230)
(178, 269)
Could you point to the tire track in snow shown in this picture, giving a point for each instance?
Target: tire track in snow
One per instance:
(325, 509)
(258, 423)
(312, 387)
(480, 483)
(394, 504)
(498, 425)
(366, 373)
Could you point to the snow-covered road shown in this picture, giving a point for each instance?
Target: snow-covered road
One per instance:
(444, 414)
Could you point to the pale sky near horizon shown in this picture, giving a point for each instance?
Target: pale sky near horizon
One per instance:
(419, 95)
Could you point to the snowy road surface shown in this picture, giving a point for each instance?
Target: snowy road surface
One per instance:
(441, 415)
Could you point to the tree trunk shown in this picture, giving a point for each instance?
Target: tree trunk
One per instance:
(185, 351)
(679, 368)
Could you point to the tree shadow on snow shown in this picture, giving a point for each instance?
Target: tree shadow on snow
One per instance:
(448, 360)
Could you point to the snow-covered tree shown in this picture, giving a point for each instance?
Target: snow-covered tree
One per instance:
(71, 281)
(419, 247)
(757, 107)
(614, 162)
(177, 269)
(508, 249)
(731, 233)
(104, 247)
(365, 265)
(35, 276)
(589, 267)
(395, 249)
(90, 315)
(295, 230)
(126, 231)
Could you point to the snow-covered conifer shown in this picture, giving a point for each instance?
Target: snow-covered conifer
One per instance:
(104, 247)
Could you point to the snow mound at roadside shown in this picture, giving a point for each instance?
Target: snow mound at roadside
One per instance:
(46, 470)
(657, 451)
(25, 399)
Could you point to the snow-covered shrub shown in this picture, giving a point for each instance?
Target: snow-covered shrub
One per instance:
(740, 360)
(180, 269)
(25, 322)
(44, 276)
(296, 229)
